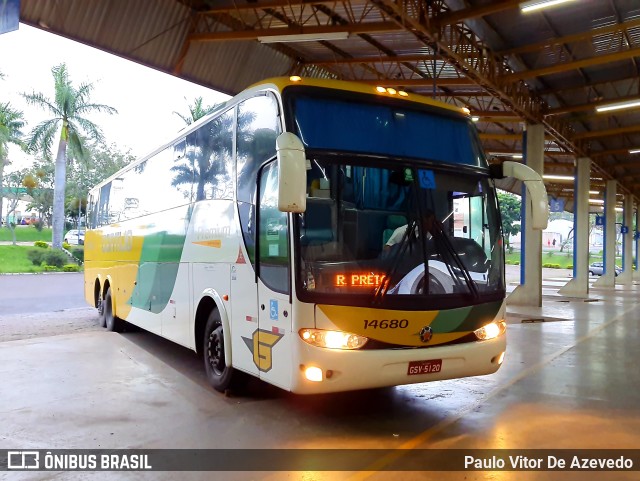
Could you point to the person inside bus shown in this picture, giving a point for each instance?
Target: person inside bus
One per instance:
(428, 222)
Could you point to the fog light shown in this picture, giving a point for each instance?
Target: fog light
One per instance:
(491, 330)
(313, 374)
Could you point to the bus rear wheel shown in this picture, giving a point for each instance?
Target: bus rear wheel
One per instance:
(102, 320)
(112, 323)
(220, 376)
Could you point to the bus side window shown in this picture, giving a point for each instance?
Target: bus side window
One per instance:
(273, 234)
(103, 208)
(258, 127)
(212, 149)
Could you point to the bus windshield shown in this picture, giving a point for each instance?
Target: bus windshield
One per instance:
(398, 129)
(395, 234)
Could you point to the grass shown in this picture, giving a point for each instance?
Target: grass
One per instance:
(562, 259)
(13, 259)
(25, 233)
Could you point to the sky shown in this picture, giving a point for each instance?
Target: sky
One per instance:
(145, 98)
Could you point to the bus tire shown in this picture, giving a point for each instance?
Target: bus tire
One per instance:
(112, 322)
(102, 320)
(219, 375)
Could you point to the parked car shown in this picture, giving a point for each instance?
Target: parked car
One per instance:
(597, 269)
(74, 237)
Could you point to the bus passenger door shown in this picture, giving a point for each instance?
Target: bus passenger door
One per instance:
(272, 351)
(244, 293)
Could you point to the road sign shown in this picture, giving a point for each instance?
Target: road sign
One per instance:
(599, 220)
(556, 205)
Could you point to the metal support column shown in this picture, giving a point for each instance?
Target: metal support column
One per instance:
(579, 285)
(626, 277)
(608, 279)
(529, 292)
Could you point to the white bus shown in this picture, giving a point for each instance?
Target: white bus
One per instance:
(319, 235)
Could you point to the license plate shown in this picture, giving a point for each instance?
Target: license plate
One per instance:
(424, 367)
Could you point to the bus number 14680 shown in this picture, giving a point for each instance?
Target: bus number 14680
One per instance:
(386, 324)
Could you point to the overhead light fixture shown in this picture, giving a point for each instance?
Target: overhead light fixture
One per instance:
(634, 151)
(304, 37)
(594, 192)
(514, 155)
(475, 118)
(596, 201)
(558, 177)
(619, 209)
(534, 5)
(628, 104)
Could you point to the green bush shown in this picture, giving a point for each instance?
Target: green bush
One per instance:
(36, 256)
(39, 225)
(55, 258)
(570, 266)
(71, 268)
(47, 268)
(41, 244)
(66, 246)
(516, 263)
(78, 253)
(551, 266)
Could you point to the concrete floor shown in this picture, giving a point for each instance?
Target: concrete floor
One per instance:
(570, 382)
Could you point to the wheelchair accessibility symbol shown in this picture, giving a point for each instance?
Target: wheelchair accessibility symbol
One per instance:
(273, 310)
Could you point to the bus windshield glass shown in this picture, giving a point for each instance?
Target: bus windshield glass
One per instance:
(398, 129)
(398, 234)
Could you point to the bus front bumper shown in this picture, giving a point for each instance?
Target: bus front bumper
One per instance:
(365, 369)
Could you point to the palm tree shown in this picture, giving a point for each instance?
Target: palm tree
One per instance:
(196, 111)
(11, 121)
(69, 107)
(205, 166)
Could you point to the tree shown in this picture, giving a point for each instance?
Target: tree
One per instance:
(510, 206)
(196, 111)
(43, 171)
(11, 123)
(15, 187)
(69, 109)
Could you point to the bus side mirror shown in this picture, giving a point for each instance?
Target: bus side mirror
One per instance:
(292, 173)
(535, 188)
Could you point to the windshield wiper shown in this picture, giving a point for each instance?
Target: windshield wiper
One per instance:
(445, 245)
(390, 270)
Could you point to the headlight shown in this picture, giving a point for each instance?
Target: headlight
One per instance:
(332, 339)
(491, 330)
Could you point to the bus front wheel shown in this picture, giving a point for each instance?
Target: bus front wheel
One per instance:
(219, 375)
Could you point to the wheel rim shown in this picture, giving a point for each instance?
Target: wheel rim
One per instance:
(215, 352)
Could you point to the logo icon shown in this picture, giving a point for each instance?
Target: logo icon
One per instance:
(426, 333)
(261, 346)
(23, 460)
(273, 310)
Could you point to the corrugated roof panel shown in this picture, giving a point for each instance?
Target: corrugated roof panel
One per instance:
(116, 26)
(234, 65)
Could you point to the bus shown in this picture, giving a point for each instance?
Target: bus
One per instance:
(320, 235)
